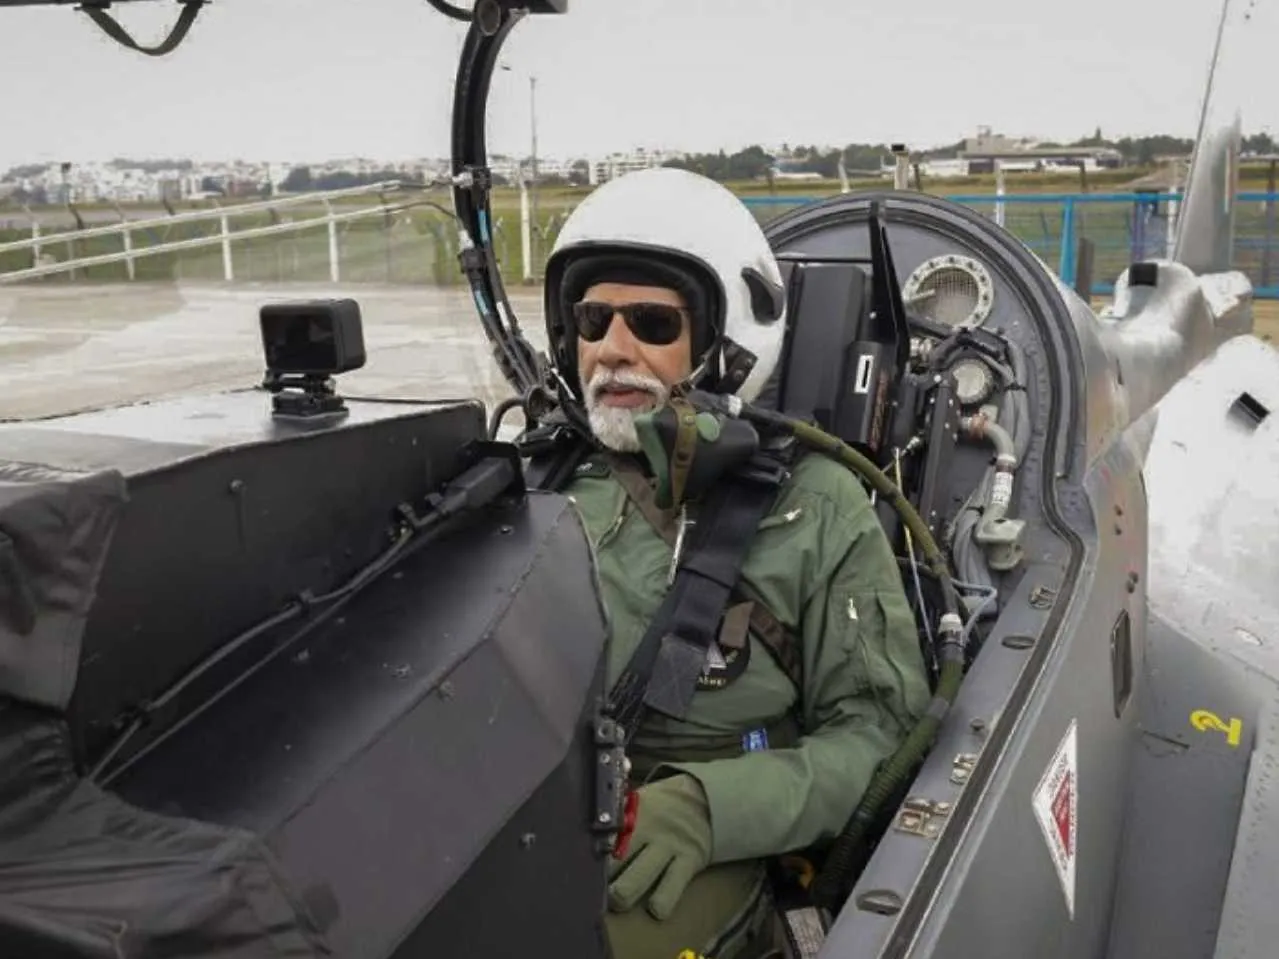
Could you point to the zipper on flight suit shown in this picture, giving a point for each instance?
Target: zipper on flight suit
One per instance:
(618, 520)
(677, 551)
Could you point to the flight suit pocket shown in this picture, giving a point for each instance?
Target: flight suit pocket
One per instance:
(858, 606)
(884, 644)
(782, 518)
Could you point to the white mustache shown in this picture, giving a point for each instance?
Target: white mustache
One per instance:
(621, 378)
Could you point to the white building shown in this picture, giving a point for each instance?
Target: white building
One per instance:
(617, 164)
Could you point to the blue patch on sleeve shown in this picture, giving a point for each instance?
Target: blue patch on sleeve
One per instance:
(755, 740)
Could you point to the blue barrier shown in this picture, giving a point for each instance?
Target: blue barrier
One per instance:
(1123, 228)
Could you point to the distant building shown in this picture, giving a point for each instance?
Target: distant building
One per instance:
(983, 150)
(940, 169)
(792, 169)
(616, 164)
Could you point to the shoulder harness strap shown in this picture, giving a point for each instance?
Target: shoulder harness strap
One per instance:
(777, 639)
(663, 672)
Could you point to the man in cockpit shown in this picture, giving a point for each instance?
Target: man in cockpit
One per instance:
(807, 691)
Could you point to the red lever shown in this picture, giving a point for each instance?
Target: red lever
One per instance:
(630, 811)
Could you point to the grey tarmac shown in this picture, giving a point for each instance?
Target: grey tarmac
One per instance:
(73, 347)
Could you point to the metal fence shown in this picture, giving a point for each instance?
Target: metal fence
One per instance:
(380, 235)
(1122, 227)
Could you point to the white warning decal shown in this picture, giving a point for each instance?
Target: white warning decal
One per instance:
(1056, 804)
(865, 366)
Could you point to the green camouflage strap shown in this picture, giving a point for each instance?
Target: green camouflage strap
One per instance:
(685, 446)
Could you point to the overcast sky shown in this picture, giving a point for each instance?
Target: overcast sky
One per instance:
(309, 79)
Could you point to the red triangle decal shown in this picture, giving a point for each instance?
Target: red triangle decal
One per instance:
(1061, 813)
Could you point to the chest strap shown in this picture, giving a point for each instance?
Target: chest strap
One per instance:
(663, 672)
(777, 639)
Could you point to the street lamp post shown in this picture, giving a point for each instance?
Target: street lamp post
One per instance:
(532, 113)
(532, 110)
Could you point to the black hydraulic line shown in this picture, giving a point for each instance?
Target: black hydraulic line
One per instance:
(97, 12)
(499, 413)
(449, 10)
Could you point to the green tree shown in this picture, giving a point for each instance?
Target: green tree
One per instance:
(298, 180)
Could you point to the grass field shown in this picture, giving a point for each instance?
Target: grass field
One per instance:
(1267, 325)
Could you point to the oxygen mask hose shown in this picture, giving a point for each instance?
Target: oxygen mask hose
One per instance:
(850, 846)
(818, 439)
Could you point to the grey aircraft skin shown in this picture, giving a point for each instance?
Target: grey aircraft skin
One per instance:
(1106, 782)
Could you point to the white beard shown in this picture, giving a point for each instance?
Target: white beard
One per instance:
(614, 426)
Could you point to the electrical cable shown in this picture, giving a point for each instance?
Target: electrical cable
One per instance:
(451, 11)
(96, 10)
(476, 486)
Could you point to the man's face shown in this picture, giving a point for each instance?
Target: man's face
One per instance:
(624, 376)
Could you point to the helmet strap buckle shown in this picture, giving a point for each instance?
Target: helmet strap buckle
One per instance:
(736, 363)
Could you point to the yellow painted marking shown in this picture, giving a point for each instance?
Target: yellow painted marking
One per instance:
(1203, 720)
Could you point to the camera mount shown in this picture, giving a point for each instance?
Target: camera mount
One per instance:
(306, 343)
(303, 396)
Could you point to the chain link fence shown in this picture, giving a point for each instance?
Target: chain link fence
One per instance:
(418, 244)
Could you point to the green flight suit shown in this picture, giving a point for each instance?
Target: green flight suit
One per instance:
(823, 567)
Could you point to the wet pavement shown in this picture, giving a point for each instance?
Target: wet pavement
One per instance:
(74, 347)
(71, 347)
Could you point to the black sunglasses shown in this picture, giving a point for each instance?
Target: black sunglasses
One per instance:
(657, 324)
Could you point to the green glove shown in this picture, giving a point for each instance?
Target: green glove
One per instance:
(671, 844)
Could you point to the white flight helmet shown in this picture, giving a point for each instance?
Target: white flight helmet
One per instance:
(685, 231)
